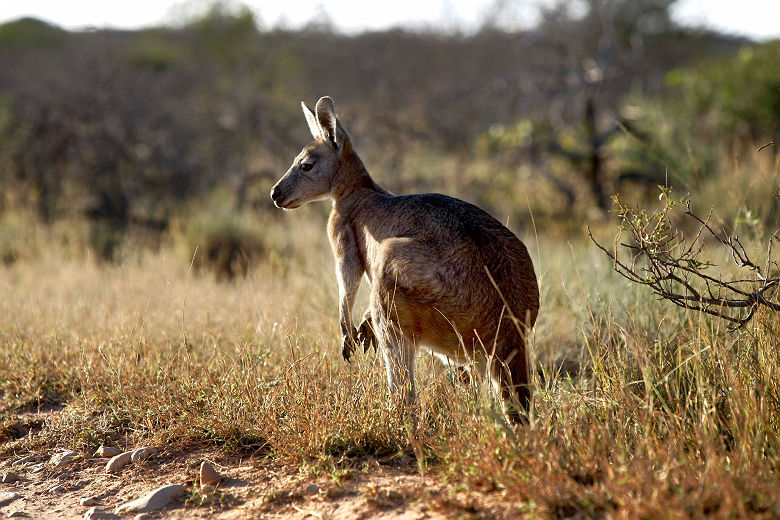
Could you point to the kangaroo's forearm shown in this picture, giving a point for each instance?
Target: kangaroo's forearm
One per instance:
(345, 317)
(349, 280)
(348, 274)
(349, 271)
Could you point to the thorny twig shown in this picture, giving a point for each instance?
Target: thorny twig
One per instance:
(661, 258)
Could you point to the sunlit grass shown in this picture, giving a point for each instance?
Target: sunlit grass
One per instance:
(669, 415)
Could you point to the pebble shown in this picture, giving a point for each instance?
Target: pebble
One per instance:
(63, 459)
(37, 469)
(154, 501)
(209, 475)
(10, 477)
(88, 501)
(107, 451)
(16, 514)
(24, 460)
(312, 488)
(98, 514)
(118, 462)
(143, 516)
(57, 489)
(142, 454)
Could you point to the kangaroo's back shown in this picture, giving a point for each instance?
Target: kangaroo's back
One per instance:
(474, 258)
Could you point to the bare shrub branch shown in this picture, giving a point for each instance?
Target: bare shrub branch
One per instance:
(660, 256)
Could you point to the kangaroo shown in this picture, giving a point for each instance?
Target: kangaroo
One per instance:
(444, 274)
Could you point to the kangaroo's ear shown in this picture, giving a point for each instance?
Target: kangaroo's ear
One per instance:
(314, 127)
(326, 116)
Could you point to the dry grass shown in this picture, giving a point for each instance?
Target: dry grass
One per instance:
(672, 416)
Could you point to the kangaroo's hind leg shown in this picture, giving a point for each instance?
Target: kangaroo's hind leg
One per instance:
(365, 332)
(397, 350)
(510, 377)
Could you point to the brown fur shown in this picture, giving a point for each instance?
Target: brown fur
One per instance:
(427, 259)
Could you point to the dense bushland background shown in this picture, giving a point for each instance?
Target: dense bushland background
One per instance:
(149, 286)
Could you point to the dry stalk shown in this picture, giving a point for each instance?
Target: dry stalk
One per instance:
(660, 256)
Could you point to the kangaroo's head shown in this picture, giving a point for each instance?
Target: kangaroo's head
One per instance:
(319, 171)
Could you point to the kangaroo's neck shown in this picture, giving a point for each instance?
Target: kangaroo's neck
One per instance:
(355, 181)
(350, 204)
(355, 206)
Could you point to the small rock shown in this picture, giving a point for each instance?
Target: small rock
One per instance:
(98, 514)
(154, 501)
(16, 514)
(107, 451)
(8, 497)
(10, 477)
(88, 501)
(57, 489)
(143, 516)
(37, 469)
(142, 454)
(24, 460)
(118, 462)
(63, 459)
(209, 475)
(312, 488)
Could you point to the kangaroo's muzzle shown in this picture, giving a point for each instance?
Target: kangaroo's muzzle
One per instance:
(281, 197)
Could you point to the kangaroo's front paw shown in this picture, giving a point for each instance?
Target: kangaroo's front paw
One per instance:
(347, 347)
(365, 335)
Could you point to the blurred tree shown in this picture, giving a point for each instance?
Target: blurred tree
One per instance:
(727, 102)
(125, 126)
(603, 47)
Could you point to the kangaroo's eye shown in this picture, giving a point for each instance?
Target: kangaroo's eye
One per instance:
(307, 166)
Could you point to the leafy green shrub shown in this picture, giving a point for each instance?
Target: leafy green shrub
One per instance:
(228, 249)
(106, 239)
(223, 31)
(220, 239)
(30, 32)
(18, 236)
(156, 52)
(738, 95)
(730, 101)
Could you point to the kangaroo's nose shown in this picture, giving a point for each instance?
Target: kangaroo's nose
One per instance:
(276, 195)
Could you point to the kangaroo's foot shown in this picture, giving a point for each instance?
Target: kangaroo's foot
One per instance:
(348, 345)
(365, 334)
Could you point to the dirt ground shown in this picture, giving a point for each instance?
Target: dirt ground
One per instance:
(252, 487)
